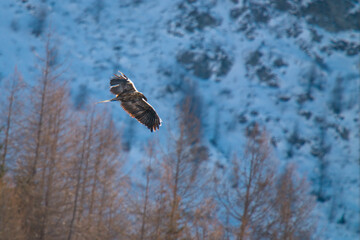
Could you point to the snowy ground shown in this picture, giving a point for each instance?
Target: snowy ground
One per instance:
(144, 39)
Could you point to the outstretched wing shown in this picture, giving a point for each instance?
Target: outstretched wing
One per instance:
(120, 83)
(143, 112)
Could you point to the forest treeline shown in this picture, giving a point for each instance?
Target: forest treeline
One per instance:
(62, 177)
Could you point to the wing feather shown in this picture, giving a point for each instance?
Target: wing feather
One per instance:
(121, 83)
(143, 112)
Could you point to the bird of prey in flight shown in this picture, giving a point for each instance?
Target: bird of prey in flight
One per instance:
(133, 101)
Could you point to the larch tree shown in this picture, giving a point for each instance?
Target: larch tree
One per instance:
(142, 204)
(69, 167)
(258, 203)
(45, 143)
(246, 192)
(11, 114)
(66, 180)
(97, 183)
(293, 208)
(182, 182)
(10, 217)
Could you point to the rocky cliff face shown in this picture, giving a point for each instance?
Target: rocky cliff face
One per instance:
(290, 66)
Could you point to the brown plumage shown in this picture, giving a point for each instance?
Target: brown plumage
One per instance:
(133, 101)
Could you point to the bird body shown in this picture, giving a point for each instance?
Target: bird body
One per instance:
(133, 102)
(130, 96)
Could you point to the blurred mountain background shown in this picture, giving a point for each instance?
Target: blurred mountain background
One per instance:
(291, 68)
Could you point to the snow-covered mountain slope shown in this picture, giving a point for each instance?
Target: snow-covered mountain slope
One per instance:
(291, 66)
